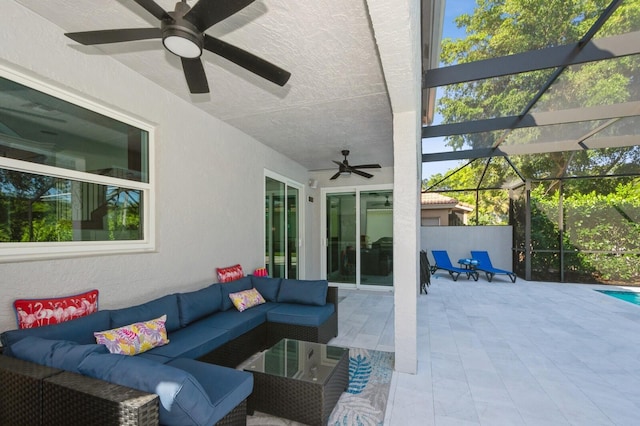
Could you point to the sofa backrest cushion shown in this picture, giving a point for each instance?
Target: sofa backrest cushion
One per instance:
(165, 305)
(183, 401)
(305, 292)
(236, 286)
(268, 287)
(200, 303)
(79, 330)
(62, 354)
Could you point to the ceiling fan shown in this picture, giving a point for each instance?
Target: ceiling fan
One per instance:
(345, 169)
(182, 33)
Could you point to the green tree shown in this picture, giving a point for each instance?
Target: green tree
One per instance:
(504, 27)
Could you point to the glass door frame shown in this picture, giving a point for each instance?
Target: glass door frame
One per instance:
(300, 259)
(323, 232)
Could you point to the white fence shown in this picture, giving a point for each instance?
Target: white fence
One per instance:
(458, 241)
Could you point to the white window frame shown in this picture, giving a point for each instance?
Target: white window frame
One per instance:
(20, 251)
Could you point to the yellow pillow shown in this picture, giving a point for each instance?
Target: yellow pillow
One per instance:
(246, 299)
(135, 338)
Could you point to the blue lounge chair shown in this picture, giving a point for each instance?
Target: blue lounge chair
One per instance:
(484, 265)
(442, 262)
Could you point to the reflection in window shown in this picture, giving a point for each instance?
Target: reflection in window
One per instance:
(36, 208)
(41, 129)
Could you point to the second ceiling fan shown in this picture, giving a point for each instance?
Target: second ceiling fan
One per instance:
(346, 169)
(182, 33)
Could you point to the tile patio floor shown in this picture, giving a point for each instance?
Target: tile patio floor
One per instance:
(498, 353)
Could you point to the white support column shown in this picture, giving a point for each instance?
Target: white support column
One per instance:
(396, 25)
(406, 237)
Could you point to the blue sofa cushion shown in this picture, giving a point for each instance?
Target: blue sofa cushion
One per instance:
(79, 330)
(62, 354)
(226, 387)
(305, 292)
(306, 315)
(243, 283)
(267, 287)
(192, 342)
(183, 401)
(200, 303)
(153, 357)
(146, 311)
(237, 323)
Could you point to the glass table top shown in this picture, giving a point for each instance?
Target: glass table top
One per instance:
(298, 360)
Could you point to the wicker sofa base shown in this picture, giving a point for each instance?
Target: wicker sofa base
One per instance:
(38, 395)
(235, 417)
(21, 401)
(73, 399)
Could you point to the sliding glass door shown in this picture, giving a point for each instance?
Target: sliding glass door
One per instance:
(359, 237)
(341, 237)
(282, 236)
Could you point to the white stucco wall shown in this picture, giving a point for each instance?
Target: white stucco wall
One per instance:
(209, 180)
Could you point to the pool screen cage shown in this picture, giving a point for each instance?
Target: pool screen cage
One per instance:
(560, 162)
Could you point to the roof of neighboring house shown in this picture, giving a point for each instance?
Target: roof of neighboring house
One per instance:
(432, 200)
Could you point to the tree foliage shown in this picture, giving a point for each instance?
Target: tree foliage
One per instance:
(600, 232)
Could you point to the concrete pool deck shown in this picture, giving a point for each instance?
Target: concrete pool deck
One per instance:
(498, 353)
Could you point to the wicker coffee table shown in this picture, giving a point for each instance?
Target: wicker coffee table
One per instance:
(297, 380)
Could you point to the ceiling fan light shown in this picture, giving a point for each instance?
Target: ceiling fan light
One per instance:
(345, 173)
(182, 47)
(182, 42)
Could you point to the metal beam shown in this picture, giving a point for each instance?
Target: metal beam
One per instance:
(535, 148)
(467, 154)
(551, 57)
(601, 112)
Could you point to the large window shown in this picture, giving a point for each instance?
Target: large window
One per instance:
(72, 180)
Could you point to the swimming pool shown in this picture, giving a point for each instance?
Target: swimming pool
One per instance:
(628, 296)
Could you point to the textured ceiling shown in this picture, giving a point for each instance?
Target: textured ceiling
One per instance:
(336, 97)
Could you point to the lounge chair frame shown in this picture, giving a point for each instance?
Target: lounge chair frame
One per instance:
(442, 261)
(484, 265)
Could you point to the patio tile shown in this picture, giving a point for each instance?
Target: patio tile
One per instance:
(498, 413)
(502, 354)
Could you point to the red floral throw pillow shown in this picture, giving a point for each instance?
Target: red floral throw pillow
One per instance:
(230, 273)
(38, 312)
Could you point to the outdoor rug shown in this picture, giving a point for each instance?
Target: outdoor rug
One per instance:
(365, 400)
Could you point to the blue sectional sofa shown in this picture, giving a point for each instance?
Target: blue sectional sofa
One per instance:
(58, 374)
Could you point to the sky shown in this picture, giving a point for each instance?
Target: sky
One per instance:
(453, 8)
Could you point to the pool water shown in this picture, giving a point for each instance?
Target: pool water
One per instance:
(628, 296)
